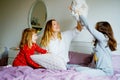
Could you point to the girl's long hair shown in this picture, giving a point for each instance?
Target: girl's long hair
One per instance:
(48, 34)
(105, 28)
(27, 37)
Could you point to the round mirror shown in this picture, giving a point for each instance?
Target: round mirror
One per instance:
(38, 15)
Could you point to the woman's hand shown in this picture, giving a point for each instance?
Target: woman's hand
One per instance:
(79, 26)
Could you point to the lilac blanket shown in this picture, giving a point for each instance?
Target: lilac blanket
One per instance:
(27, 73)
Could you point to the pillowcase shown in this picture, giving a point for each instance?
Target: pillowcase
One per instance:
(82, 59)
(49, 61)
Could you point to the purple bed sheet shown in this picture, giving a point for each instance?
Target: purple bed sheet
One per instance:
(28, 73)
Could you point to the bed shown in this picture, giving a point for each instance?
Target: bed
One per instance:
(27, 73)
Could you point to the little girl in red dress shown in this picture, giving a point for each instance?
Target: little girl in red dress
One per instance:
(28, 47)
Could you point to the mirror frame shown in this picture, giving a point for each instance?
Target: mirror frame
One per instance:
(31, 11)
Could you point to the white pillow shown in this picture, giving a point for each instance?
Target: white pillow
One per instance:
(49, 61)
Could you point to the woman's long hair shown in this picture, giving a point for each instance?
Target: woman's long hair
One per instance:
(48, 34)
(105, 28)
(27, 37)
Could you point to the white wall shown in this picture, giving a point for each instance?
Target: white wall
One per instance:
(105, 10)
(14, 17)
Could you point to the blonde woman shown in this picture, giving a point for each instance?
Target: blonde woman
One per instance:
(57, 42)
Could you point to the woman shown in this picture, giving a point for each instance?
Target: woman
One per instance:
(57, 42)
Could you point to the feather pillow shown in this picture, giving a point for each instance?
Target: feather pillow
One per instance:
(79, 7)
(49, 61)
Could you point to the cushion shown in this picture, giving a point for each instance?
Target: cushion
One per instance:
(80, 58)
(49, 61)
